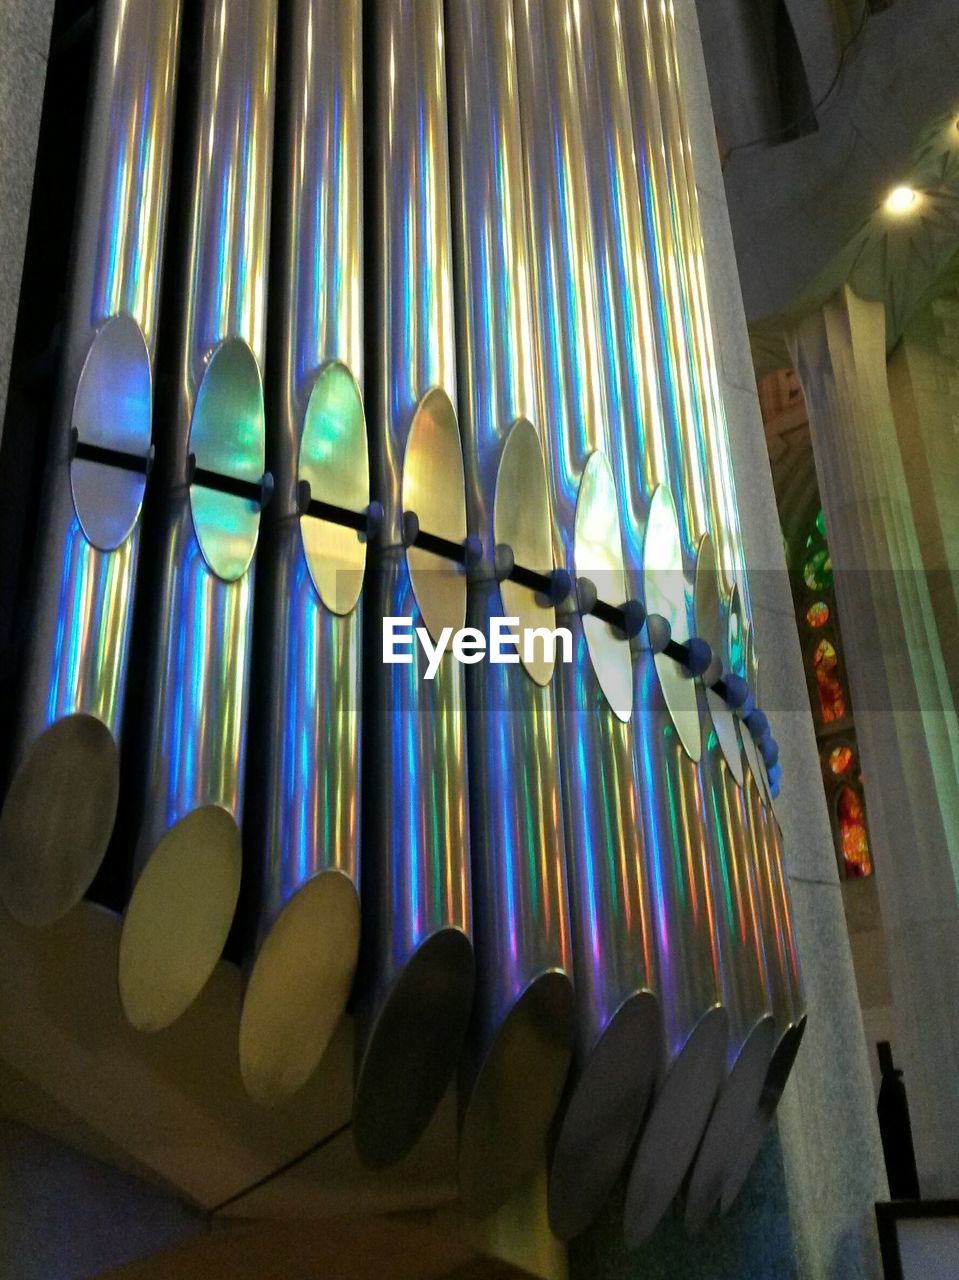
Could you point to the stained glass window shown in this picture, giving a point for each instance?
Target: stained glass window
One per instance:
(840, 760)
(852, 834)
(832, 700)
(812, 580)
(817, 571)
(817, 615)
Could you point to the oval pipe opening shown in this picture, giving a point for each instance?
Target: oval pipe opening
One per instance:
(58, 819)
(516, 1093)
(298, 987)
(782, 1063)
(675, 1126)
(729, 1124)
(178, 918)
(779, 1068)
(413, 1048)
(603, 1115)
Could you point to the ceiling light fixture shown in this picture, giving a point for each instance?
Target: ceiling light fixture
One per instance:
(901, 200)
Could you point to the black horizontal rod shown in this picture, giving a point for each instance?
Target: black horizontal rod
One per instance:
(609, 613)
(119, 458)
(678, 652)
(540, 582)
(252, 490)
(357, 520)
(444, 547)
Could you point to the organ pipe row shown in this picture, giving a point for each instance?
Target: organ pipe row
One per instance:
(554, 885)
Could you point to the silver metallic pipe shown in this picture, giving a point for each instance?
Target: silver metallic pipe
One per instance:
(619, 1040)
(684, 903)
(713, 437)
(679, 376)
(310, 573)
(667, 742)
(746, 993)
(521, 1040)
(661, 40)
(187, 858)
(60, 809)
(786, 989)
(417, 994)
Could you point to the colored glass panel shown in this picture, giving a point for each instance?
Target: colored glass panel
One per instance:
(832, 700)
(840, 760)
(817, 571)
(857, 861)
(817, 615)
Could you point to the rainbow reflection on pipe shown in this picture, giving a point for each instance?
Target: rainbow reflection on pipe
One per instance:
(417, 989)
(306, 738)
(521, 1039)
(60, 809)
(187, 857)
(619, 1037)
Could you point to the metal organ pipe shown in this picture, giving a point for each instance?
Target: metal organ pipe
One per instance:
(786, 989)
(665, 160)
(746, 992)
(605, 819)
(417, 991)
(520, 1045)
(306, 830)
(786, 986)
(667, 741)
(619, 1038)
(680, 391)
(187, 857)
(61, 805)
(690, 258)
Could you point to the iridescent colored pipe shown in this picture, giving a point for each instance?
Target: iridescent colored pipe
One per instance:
(521, 1040)
(187, 859)
(61, 805)
(746, 994)
(679, 375)
(786, 990)
(667, 742)
(619, 1040)
(713, 438)
(310, 573)
(417, 993)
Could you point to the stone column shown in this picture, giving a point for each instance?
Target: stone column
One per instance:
(905, 719)
(924, 386)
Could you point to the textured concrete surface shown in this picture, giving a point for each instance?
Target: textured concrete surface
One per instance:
(23, 60)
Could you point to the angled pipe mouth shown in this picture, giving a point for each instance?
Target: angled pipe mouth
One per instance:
(413, 1048)
(784, 1055)
(675, 1125)
(58, 818)
(298, 987)
(603, 1114)
(730, 1123)
(516, 1093)
(178, 917)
